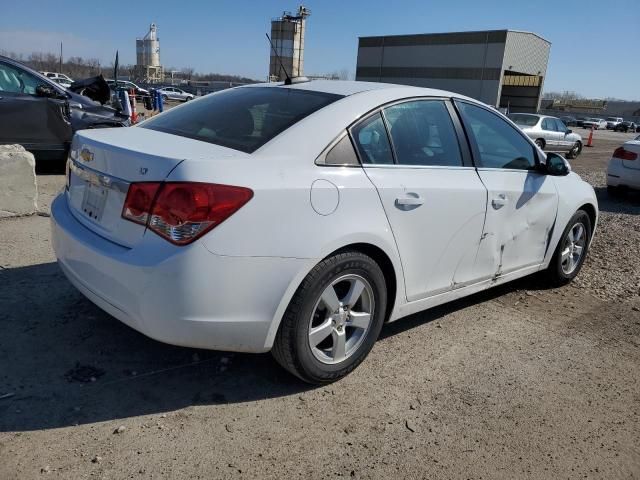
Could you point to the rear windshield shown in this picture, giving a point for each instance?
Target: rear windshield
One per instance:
(524, 120)
(241, 118)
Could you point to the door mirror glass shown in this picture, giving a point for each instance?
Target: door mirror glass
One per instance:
(557, 165)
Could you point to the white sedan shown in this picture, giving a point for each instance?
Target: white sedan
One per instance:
(300, 218)
(623, 171)
(174, 93)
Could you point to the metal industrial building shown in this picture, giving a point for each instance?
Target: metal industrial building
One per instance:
(503, 68)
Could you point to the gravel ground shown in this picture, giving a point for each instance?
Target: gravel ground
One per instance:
(521, 381)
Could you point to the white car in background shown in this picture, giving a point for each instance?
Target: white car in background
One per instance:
(299, 218)
(549, 133)
(623, 171)
(58, 76)
(612, 122)
(596, 123)
(62, 82)
(174, 93)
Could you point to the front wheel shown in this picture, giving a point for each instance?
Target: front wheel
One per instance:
(575, 150)
(540, 143)
(333, 319)
(571, 250)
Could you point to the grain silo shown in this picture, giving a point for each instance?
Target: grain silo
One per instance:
(148, 66)
(287, 36)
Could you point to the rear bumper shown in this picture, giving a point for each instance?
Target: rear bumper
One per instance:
(619, 175)
(184, 296)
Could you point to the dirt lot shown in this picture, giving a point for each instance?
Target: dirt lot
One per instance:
(518, 382)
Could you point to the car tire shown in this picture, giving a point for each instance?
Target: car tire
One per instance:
(540, 143)
(165, 98)
(575, 150)
(317, 340)
(567, 261)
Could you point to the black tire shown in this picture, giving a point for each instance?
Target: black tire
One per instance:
(555, 273)
(291, 347)
(575, 151)
(165, 98)
(540, 143)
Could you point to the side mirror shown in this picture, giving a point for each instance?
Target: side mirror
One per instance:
(568, 131)
(556, 165)
(45, 91)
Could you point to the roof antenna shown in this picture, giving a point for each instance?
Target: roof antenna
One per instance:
(288, 79)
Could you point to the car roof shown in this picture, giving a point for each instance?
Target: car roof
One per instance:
(352, 87)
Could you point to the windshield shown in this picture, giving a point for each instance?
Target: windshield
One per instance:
(524, 120)
(242, 118)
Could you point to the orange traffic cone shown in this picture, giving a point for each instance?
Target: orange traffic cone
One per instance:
(590, 141)
(134, 112)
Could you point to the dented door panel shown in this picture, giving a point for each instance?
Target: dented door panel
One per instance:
(521, 212)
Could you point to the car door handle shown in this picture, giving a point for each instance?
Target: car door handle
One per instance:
(500, 201)
(409, 200)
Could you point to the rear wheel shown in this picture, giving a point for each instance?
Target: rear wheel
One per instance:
(333, 319)
(540, 143)
(571, 250)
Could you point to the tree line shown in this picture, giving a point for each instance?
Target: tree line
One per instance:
(79, 68)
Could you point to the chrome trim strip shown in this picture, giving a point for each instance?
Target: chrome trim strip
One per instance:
(98, 178)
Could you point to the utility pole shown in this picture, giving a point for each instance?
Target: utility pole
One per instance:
(60, 70)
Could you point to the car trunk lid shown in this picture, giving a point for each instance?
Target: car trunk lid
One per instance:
(105, 162)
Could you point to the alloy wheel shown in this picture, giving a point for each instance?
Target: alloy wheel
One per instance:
(341, 319)
(573, 248)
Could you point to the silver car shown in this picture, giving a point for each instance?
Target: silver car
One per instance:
(174, 93)
(549, 133)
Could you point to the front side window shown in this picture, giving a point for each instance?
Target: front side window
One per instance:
(496, 143)
(422, 133)
(372, 141)
(14, 80)
(560, 126)
(242, 118)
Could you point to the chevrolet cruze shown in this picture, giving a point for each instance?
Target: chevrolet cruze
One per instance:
(299, 218)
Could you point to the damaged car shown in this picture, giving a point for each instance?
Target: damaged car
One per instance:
(41, 115)
(371, 202)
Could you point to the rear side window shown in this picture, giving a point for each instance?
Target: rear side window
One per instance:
(549, 124)
(241, 118)
(524, 120)
(496, 143)
(423, 134)
(372, 141)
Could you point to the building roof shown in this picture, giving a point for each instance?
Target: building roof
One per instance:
(474, 36)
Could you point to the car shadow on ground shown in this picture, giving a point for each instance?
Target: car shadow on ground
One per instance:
(54, 341)
(627, 202)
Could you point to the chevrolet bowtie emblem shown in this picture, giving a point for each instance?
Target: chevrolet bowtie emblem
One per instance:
(86, 155)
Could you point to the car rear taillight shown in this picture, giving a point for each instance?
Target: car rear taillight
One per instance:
(181, 212)
(623, 154)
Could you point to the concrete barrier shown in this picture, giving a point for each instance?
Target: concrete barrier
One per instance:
(18, 188)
